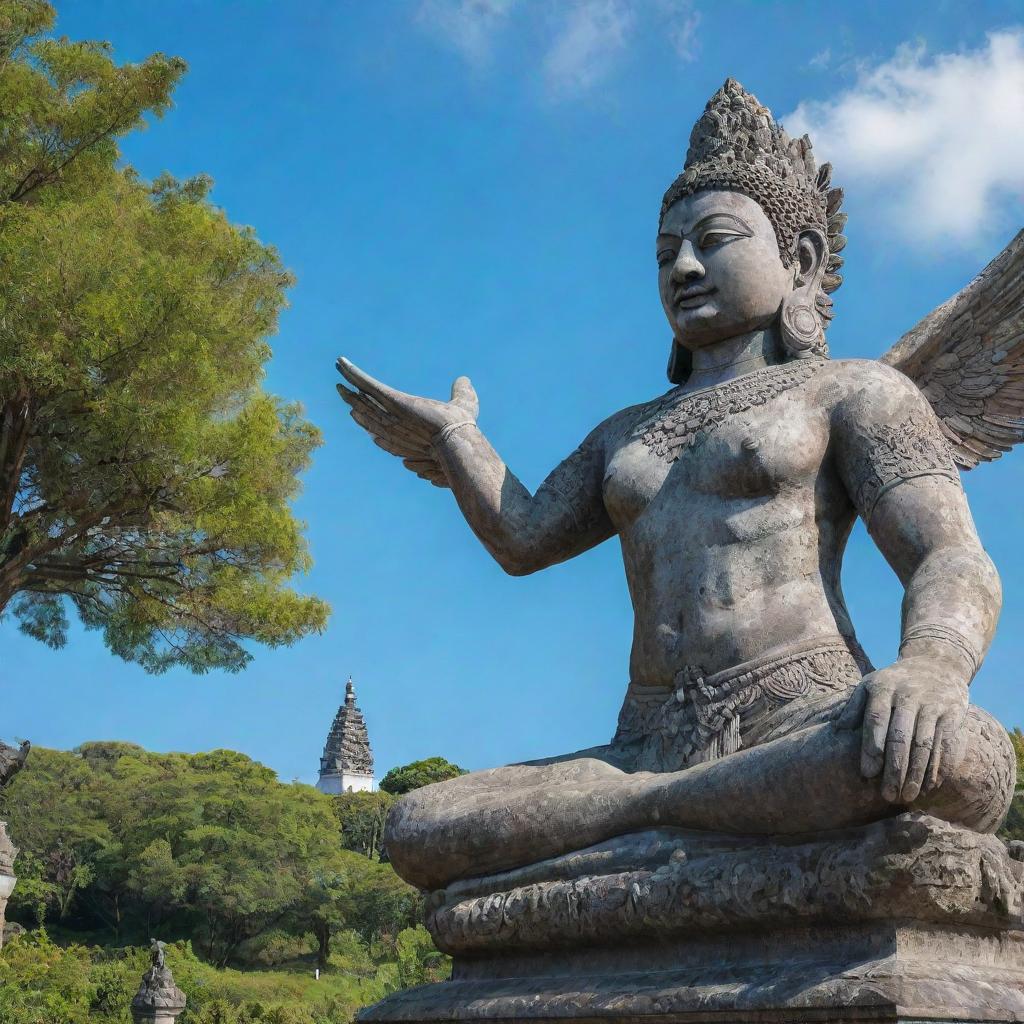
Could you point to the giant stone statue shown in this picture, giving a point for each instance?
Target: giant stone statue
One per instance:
(777, 830)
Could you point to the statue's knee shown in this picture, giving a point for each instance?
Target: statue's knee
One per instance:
(977, 792)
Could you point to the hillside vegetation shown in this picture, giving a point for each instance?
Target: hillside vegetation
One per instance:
(247, 877)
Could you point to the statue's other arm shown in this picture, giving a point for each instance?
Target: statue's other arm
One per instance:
(441, 442)
(526, 532)
(898, 471)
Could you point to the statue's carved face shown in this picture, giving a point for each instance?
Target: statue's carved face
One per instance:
(719, 271)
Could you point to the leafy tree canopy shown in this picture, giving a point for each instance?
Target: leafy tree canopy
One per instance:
(122, 843)
(1014, 826)
(361, 817)
(419, 773)
(145, 476)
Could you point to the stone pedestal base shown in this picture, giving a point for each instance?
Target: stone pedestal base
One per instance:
(870, 972)
(908, 919)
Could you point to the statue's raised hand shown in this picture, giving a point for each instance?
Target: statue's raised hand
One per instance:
(406, 425)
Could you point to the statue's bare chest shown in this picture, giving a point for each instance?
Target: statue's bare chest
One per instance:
(702, 453)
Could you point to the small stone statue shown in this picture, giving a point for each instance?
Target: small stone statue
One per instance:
(752, 721)
(159, 1000)
(8, 851)
(12, 760)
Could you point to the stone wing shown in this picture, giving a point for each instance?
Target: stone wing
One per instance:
(967, 357)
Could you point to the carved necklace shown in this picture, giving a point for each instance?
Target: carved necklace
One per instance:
(692, 417)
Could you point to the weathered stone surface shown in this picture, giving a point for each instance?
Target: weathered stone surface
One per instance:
(906, 868)
(875, 971)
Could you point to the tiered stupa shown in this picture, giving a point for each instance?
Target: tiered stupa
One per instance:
(347, 764)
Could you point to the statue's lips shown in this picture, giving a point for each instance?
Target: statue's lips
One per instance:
(693, 299)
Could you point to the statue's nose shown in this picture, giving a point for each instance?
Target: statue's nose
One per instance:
(687, 267)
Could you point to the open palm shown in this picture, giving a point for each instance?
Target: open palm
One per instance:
(406, 425)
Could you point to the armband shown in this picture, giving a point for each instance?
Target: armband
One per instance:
(898, 452)
(943, 634)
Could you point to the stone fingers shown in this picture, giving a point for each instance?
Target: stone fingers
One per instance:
(381, 424)
(945, 753)
(373, 416)
(388, 397)
(875, 731)
(920, 754)
(897, 750)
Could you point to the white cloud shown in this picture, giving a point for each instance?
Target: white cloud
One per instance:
(821, 59)
(938, 139)
(575, 43)
(469, 26)
(584, 50)
(681, 21)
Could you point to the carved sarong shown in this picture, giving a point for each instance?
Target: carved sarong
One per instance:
(705, 717)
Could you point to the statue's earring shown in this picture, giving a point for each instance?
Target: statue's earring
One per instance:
(800, 326)
(802, 332)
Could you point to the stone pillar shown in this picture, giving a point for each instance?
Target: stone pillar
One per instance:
(159, 1000)
(8, 853)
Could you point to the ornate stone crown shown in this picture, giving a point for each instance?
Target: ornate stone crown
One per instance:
(737, 145)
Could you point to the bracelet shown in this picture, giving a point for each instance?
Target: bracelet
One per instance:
(943, 634)
(448, 429)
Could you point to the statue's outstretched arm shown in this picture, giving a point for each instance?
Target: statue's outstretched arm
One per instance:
(899, 473)
(441, 442)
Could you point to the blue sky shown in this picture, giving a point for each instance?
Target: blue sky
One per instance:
(472, 186)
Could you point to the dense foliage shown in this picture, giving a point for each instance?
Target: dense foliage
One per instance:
(43, 983)
(145, 476)
(419, 773)
(1014, 827)
(119, 844)
(361, 817)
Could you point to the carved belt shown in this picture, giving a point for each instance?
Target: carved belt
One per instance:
(705, 717)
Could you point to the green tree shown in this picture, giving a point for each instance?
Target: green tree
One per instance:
(1014, 825)
(361, 817)
(122, 844)
(145, 476)
(419, 773)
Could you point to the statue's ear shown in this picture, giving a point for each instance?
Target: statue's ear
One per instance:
(680, 363)
(801, 326)
(812, 259)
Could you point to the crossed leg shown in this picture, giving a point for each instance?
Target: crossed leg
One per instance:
(808, 781)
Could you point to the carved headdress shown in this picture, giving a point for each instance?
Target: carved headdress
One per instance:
(967, 356)
(737, 145)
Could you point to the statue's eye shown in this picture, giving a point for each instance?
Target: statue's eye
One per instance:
(712, 238)
(666, 256)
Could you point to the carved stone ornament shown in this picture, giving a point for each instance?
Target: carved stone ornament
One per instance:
(683, 422)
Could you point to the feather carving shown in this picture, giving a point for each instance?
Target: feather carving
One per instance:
(967, 357)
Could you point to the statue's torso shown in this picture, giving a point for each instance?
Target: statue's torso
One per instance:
(732, 540)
